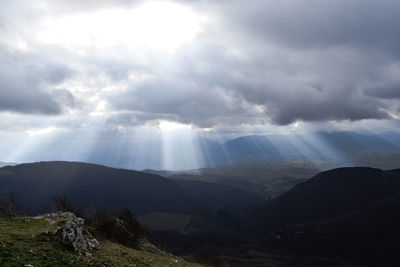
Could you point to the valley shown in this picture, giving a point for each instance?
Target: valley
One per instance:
(256, 214)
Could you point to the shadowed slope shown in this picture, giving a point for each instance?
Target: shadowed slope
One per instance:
(84, 184)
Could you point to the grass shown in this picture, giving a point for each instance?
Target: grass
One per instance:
(26, 240)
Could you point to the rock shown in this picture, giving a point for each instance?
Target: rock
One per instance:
(67, 215)
(50, 221)
(73, 233)
(80, 221)
(94, 244)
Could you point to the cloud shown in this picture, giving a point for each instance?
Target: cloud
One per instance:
(216, 87)
(312, 23)
(387, 91)
(385, 83)
(26, 83)
(43, 131)
(260, 63)
(278, 63)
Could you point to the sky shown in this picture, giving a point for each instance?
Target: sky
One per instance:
(79, 71)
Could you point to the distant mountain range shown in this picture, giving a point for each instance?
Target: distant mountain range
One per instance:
(336, 148)
(183, 152)
(322, 146)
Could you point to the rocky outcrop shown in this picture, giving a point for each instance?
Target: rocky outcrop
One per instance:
(74, 234)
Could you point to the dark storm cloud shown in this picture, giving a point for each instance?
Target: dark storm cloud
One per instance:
(319, 23)
(388, 91)
(279, 62)
(310, 60)
(26, 81)
(254, 62)
(187, 97)
(214, 87)
(18, 100)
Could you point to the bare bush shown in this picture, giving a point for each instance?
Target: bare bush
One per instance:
(9, 206)
(60, 203)
(118, 224)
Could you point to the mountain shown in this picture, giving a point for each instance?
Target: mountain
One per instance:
(386, 161)
(342, 146)
(83, 184)
(347, 212)
(336, 148)
(2, 164)
(367, 236)
(251, 148)
(328, 194)
(35, 184)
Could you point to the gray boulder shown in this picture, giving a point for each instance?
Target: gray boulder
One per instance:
(74, 234)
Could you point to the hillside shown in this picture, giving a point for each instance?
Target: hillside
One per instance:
(152, 198)
(348, 212)
(368, 236)
(38, 241)
(328, 194)
(35, 184)
(345, 213)
(84, 184)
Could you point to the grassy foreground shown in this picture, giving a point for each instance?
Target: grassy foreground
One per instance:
(37, 241)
